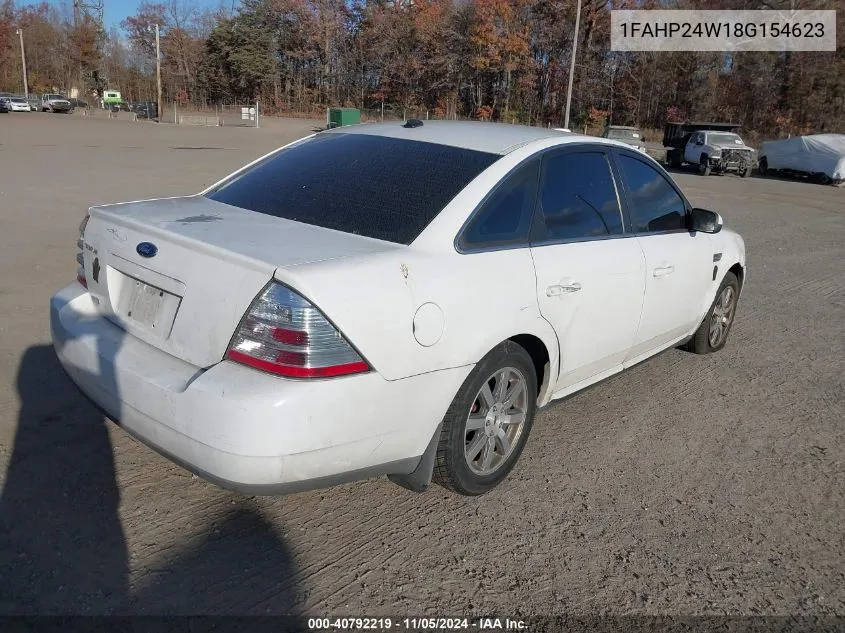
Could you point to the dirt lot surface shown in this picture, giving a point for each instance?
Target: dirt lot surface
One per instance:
(689, 485)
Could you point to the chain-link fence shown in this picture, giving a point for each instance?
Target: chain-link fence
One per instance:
(131, 111)
(225, 115)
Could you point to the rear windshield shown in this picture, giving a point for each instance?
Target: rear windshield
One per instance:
(385, 188)
(626, 135)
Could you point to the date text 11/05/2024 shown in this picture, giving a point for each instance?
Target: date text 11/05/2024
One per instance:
(416, 624)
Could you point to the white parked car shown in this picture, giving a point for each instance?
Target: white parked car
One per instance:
(388, 299)
(16, 104)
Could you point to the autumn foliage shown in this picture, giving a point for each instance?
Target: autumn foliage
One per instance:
(487, 59)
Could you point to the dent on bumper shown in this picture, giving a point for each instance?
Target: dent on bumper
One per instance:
(239, 427)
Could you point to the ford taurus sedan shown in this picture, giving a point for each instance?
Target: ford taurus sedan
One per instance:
(392, 299)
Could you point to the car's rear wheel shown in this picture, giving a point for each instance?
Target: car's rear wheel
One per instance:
(712, 334)
(487, 424)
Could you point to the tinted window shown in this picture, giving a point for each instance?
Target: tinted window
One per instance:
(506, 216)
(375, 186)
(578, 198)
(655, 205)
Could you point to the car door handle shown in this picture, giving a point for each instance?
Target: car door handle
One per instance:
(559, 289)
(662, 271)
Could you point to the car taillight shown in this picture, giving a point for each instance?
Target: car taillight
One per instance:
(283, 333)
(80, 271)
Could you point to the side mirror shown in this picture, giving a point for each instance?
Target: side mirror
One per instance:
(705, 221)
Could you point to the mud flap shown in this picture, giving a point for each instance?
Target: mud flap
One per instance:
(420, 479)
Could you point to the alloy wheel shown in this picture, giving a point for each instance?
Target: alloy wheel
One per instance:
(723, 313)
(496, 420)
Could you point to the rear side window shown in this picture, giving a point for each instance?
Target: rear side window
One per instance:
(505, 218)
(655, 205)
(577, 198)
(385, 188)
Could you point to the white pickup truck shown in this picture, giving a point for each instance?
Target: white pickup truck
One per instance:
(719, 152)
(711, 147)
(55, 103)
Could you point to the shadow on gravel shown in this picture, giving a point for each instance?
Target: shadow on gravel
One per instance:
(64, 551)
(63, 547)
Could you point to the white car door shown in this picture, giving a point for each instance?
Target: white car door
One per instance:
(590, 277)
(692, 151)
(678, 262)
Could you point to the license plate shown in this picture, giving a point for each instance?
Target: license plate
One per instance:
(145, 304)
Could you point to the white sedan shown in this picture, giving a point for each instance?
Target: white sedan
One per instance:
(16, 104)
(388, 299)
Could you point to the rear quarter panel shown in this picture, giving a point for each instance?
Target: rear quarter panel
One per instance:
(484, 299)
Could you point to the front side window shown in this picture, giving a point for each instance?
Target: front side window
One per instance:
(578, 198)
(655, 205)
(376, 186)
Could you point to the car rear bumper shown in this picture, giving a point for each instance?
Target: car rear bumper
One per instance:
(243, 429)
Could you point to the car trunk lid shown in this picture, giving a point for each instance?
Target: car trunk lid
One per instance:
(180, 273)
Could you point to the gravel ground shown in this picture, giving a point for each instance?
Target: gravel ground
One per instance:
(688, 485)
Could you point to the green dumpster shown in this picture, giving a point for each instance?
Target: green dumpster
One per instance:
(339, 117)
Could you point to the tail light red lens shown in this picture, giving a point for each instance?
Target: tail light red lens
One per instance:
(284, 334)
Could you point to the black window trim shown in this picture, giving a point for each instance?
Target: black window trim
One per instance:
(581, 148)
(616, 152)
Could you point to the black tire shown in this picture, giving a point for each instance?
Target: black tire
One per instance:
(745, 172)
(700, 343)
(451, 468)
(763, 166)
(704, 166)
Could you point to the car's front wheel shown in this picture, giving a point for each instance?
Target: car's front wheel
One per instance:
(704, 166)
(487, 424)
(712, 334)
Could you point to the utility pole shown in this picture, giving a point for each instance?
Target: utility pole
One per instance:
(158, 78)
(572, 64)
(23, 62)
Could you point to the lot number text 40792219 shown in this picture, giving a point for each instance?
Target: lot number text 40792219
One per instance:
(416, 624)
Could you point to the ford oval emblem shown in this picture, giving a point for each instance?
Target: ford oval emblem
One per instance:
(146, 249)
